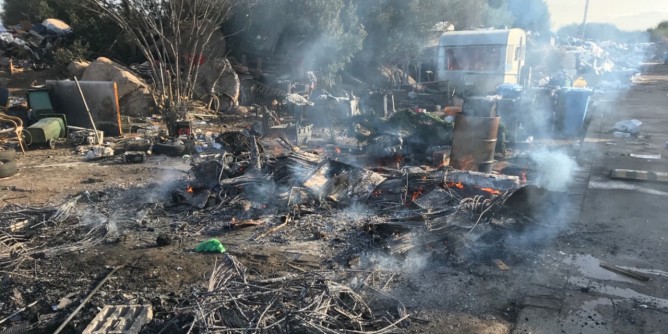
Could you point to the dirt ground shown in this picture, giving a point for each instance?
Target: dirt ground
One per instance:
(442, 296)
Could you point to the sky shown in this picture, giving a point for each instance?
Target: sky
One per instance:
(625, 14)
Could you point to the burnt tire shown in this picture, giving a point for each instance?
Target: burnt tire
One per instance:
(172, 149)
(7, 168)
(8, 154)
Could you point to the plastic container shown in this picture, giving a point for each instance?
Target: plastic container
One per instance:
(510, 91)
(507, 108)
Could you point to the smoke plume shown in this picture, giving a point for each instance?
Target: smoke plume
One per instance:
(554, 169)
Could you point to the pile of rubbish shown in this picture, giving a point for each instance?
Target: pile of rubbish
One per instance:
(606, 66)
(32, 44)
(244, 185)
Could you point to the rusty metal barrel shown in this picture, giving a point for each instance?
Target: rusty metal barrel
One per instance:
(474, 142)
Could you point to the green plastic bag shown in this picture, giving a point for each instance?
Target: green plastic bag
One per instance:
(210, 246)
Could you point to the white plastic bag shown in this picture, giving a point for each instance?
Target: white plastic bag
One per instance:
(629, 126)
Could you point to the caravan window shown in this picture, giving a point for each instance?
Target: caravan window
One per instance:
(473, 58)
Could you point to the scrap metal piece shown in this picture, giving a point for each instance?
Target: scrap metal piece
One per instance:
(134, 157)
(437, 199)
(342, 183)
(300, 134)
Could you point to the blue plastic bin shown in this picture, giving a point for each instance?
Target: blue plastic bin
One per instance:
(510, 91)
(572, 105)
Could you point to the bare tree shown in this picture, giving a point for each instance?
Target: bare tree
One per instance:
(174, 36)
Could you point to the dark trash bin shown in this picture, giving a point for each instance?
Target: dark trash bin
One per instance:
(479, 106)
(511, 113)
(536, 114)
(4, 96)
(572, 105)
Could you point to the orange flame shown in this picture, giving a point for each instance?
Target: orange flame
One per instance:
(189, 189)
(458, 185)
(417, 194)
(491, 191)
(338, 150)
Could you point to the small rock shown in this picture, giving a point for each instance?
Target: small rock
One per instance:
(354, 262)
(320, 235)
(62, 304)
(17, 298)
(241, 110)
(77, 68)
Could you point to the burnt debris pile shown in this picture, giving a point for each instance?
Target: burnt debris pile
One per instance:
(304, 302)
(413, 208)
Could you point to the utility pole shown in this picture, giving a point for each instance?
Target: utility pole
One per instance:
(584, 20)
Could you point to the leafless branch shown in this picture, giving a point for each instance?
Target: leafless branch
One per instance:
(173, 36)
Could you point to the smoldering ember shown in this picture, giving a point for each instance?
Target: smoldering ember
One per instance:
(301, 166)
